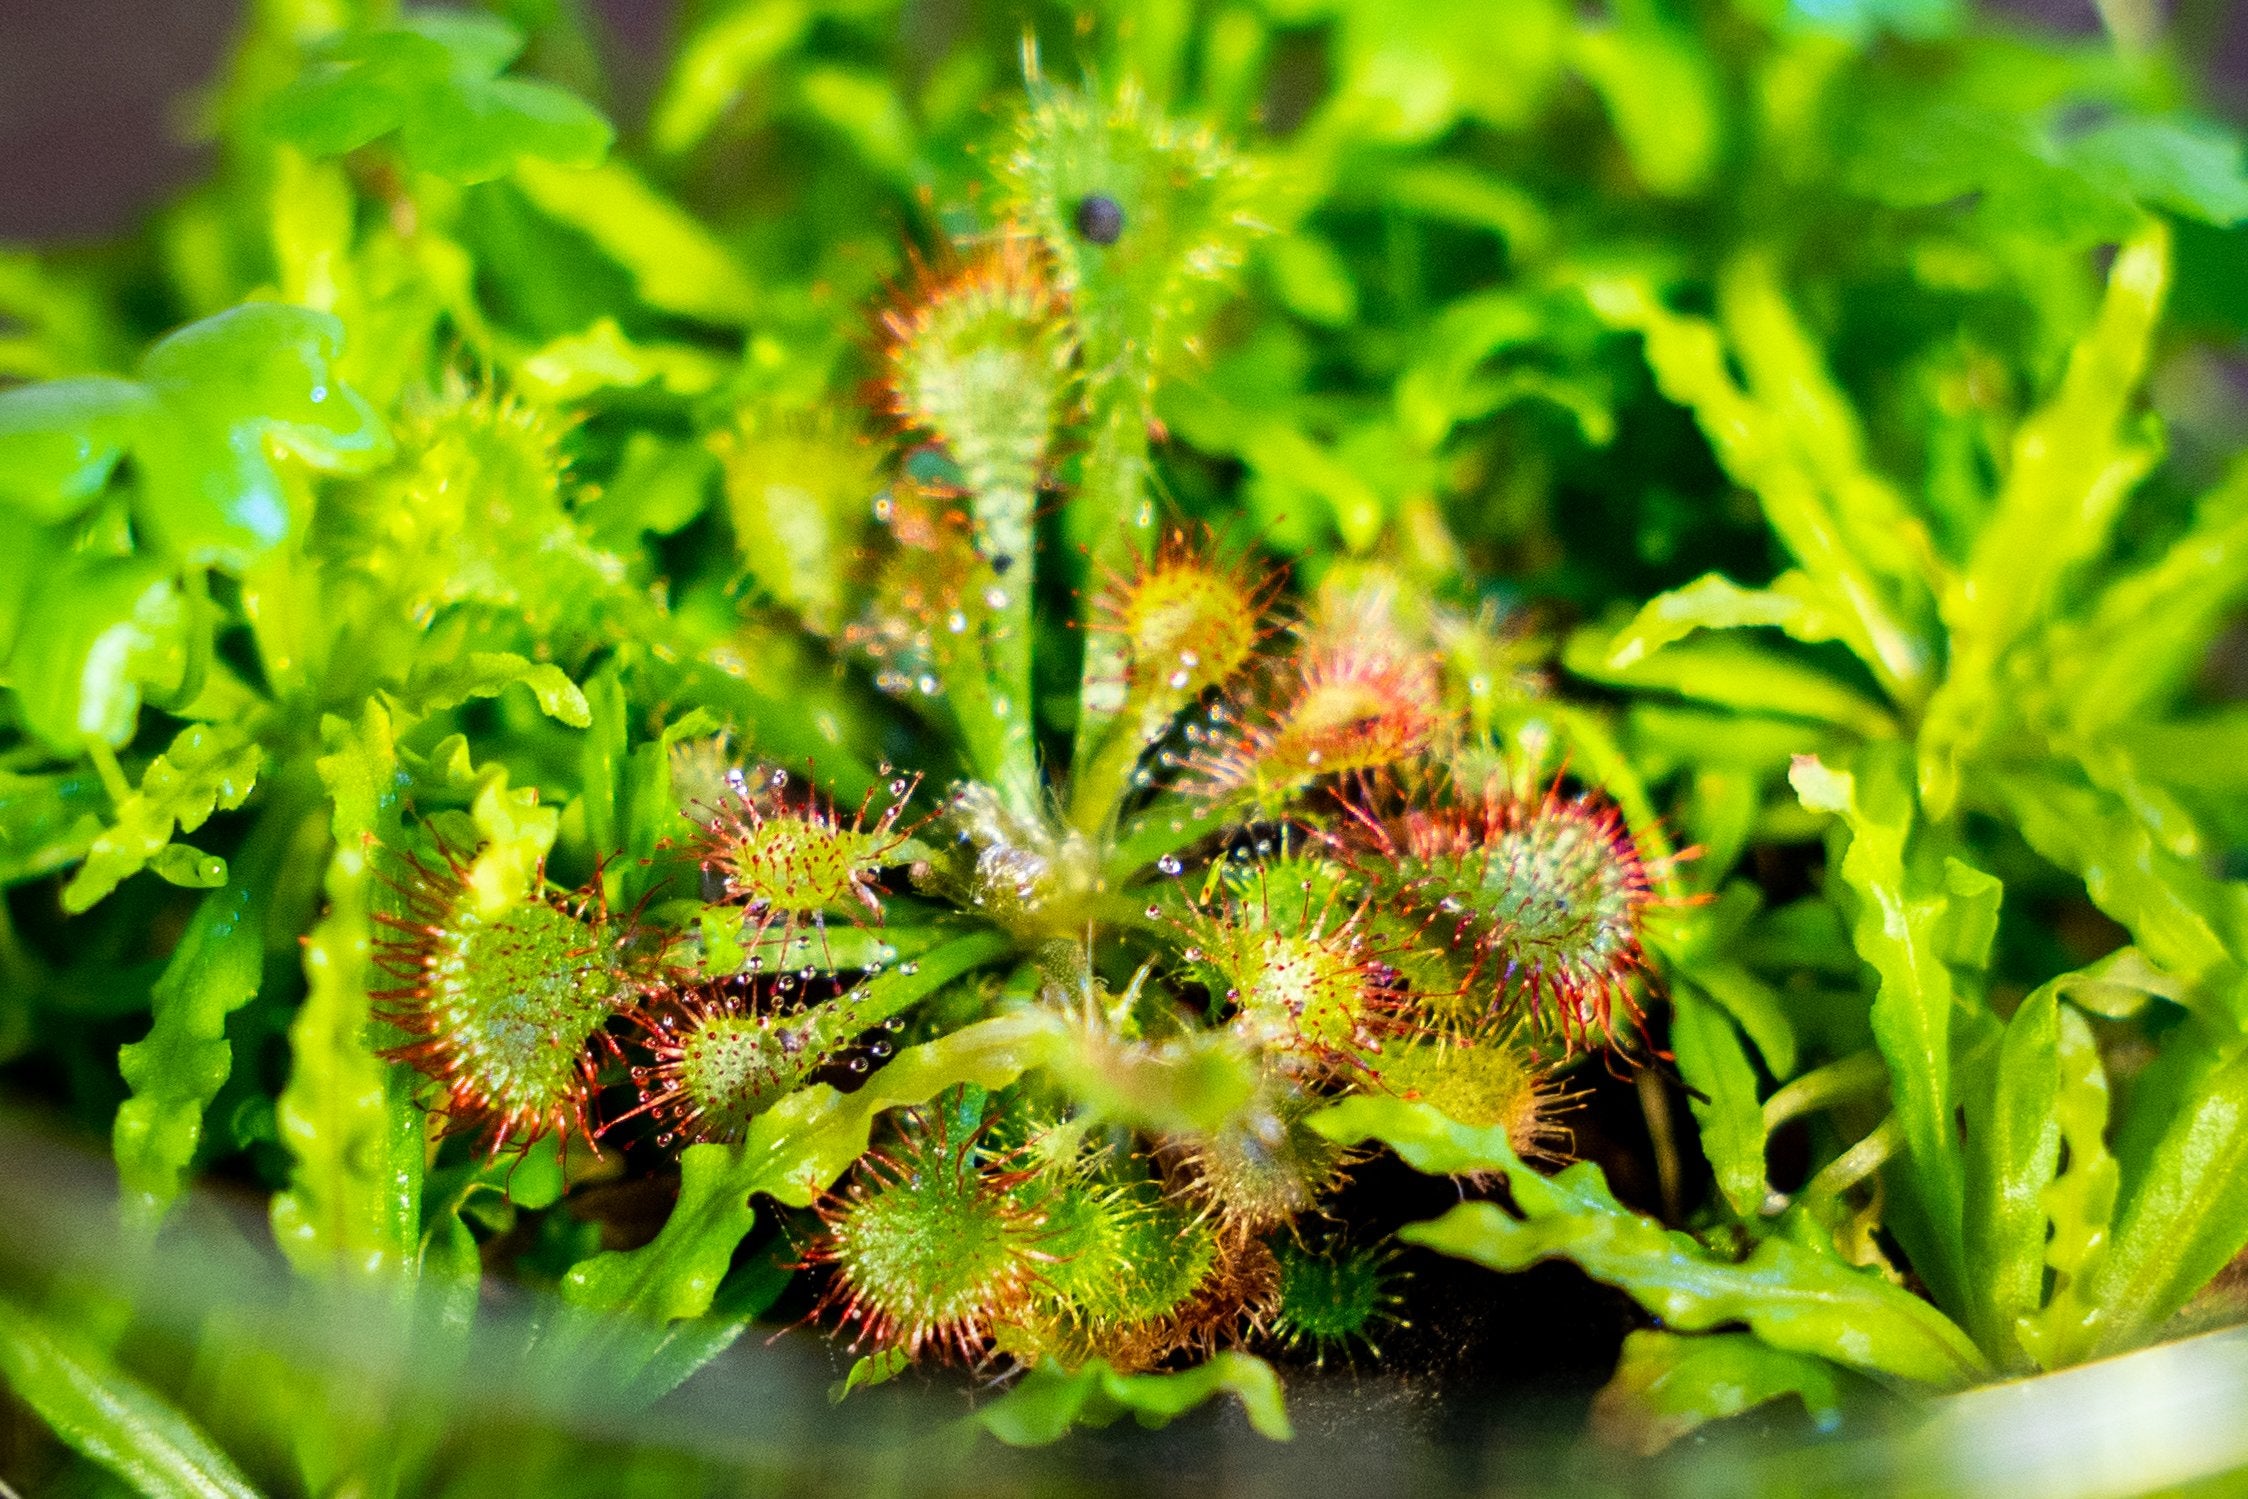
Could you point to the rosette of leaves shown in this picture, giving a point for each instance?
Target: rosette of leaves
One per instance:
(516, 507)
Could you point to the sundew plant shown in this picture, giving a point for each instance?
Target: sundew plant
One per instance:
(956, 690)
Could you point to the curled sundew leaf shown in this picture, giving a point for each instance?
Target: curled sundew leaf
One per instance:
(1666, 1386)
(180, 1065)
(1183, 213)
(797, 1149)
(480, 515)
(110, 1417)
(1184, 205)
(1048, 1402)
(436, 81)
(798, 489)
(1791, 1295)
(208, 767)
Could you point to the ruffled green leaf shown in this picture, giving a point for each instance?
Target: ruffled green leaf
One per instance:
(1715, 602)
(2184, 1216)
(348, 1118)
(99, 634)
(231, 394)
(1407, 74)
(2186, 166)
(218, 402)
(2013, 1149)
(488, 674)
(2079, 1203)
(1899, 927)
(436, 81)
(1814, 502)
(675, 263)
(60, 440)
(1733, 673)
(1756, 1008)
(1920, 155)
(1439, 388)
(47, 822)
(109, 1417)
(1789, 375)
(2185, 922)
(209, 767)
(1666, 1386)
(1047, 1403)
(2073, 464)
(2026, 179)
(576, 365)
(717, 64)
(687, 1345)
(1790, 1295)
(1660, 95)
(179, 1067)
(2148, 631)
(1715, 1065)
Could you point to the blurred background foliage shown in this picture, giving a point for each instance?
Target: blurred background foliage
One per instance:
(1474, 351)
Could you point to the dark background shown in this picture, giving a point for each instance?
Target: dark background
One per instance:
(94, 94)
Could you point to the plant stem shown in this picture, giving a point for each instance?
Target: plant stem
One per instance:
(1861, 1072)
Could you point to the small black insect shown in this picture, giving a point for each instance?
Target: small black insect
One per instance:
(1100, 218)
